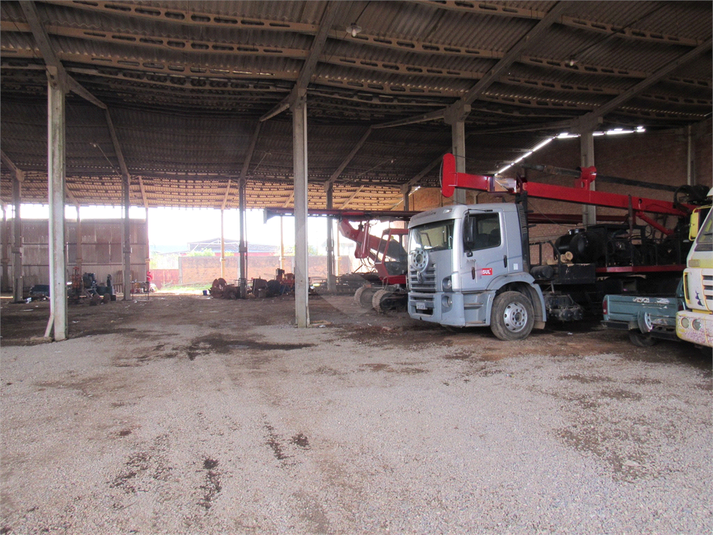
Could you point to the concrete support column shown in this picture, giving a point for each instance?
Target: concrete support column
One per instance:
(17, 241)
(5, 250)
(586, 150)
(243, 245)
(331, 279)
(455, 116)
(299, 150)
(282, 244)
(127, 237)
(56, 191)
(79, 259)
(690, 160)
(222, 244)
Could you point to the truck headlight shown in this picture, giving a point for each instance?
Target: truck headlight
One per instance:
(447, 284)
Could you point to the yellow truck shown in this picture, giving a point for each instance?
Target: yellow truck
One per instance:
(695, 323)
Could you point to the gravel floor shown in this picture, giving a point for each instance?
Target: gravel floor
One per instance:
(199, 416)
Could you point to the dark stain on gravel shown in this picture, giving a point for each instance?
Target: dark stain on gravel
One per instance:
(300, 440)
(586, 379)
(274, 442)
(212, 486)
(218, 344)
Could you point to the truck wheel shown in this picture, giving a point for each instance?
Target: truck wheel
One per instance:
(640, 339)
(363, 296)
(512, 317)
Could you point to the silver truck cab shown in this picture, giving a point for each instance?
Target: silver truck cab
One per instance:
(467, 268)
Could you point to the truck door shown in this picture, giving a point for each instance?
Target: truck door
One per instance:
(483, 250)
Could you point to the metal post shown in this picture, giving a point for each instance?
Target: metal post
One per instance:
(690, 163)
(586, 148)
(243, 245)
(406, 191)
(17, 241)
(56, 191)
(5, 249)
(222, 245)
(299, 149)
(127, 237)
(79, 260)
(455, 116)
(282, 244)
(331, 281)
(338, 255)
(458, 135)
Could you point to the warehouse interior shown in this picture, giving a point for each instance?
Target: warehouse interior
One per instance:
(191, 414)
(329, 104)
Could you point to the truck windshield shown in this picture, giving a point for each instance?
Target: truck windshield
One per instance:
(705, 237)
(432, 236)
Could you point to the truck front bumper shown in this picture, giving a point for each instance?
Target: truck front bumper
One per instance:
(451, 308)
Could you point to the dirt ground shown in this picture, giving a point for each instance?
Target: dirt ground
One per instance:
(186, 414)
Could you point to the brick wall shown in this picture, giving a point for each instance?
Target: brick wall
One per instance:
(204, 269)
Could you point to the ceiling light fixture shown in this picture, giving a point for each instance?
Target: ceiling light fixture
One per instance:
(353, 29)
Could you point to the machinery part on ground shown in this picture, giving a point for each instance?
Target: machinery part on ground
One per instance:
(363, 296)
(513, 316)
(562, 307)
(389, 300)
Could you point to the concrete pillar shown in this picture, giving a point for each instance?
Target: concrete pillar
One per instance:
(337, 270)
(56, 191)
(222, 244)
(243, 245)
(690, 160)
(455, 116)
(331, 280)
(586, 150)
(17, 241)
(299, 150)
(5, 251)
(282, 244)
(78, 263)
(127, 239)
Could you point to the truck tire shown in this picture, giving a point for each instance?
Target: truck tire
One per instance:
(640, 339)
(364, 295)
(512, 317)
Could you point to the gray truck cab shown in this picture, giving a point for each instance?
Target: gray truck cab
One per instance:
(467, 268)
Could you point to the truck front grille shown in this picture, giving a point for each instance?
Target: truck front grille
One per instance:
(424, 281)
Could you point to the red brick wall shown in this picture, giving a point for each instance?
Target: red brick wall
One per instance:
(204, 269)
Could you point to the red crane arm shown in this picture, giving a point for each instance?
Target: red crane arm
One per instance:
(450, 179)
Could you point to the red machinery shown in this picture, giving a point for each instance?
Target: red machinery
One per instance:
(390, 257)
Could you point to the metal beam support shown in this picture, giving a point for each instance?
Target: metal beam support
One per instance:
(125, 189)
(5, 251)
(222, 244)
(455, 117)
(56, 145)
(308, 69)
(586, 149)
(589, 120)
(17, 241)
(18, 176)
(330, 182)
(299, 148)
(331, 281)
(243, 244)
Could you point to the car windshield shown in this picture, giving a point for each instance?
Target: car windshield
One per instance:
(432, 236)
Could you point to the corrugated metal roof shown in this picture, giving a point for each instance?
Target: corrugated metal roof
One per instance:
(187, 82)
